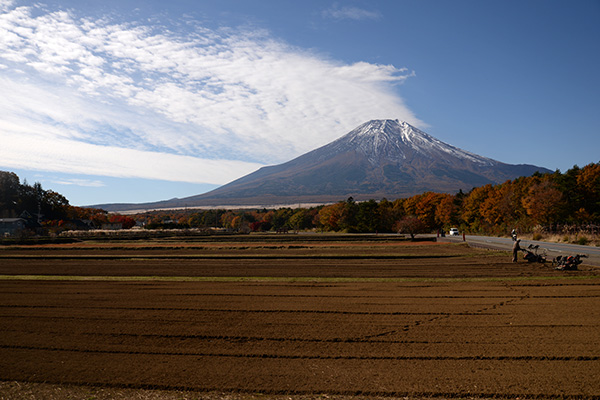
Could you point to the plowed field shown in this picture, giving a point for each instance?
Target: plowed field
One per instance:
(352, 318)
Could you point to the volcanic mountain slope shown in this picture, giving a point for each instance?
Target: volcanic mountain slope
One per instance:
(380, 158)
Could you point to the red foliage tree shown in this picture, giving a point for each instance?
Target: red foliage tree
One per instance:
(125, 221)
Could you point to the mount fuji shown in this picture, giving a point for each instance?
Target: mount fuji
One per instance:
(380, 158)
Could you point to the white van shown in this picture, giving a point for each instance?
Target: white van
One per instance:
(453, 232)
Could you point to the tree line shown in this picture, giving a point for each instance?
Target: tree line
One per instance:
(49, 209)
(539, 202)
(17, 197)
(542, 201)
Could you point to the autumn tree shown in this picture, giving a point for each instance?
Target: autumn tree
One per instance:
(588, 182)
(425, 209)
(471, 208)
(329, 216)
(98, 218)
(410, 205)
(281, 218)
(125, 221)
(227, 219)
(501, 208)
(446, 211)
(543, 202)
(237, 223)
(411, 225)
(300, 219)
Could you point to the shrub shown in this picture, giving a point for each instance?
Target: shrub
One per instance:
(583, 240)
(538, 236)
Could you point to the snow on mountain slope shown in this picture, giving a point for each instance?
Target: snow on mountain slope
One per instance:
(394, 141)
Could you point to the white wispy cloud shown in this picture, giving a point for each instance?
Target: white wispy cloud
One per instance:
(352, 13)
(61, 155)
(123, 99)
(80, 182)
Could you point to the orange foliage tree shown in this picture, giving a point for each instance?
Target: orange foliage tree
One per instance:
(446, 212)
(426, 207)
(588, 182)
(543, 201)
(500, 209)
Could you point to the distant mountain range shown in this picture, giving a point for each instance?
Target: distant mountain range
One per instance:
(379, 159)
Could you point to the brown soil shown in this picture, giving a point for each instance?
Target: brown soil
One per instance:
(389, 326)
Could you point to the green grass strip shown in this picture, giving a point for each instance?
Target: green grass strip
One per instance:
(276, 279)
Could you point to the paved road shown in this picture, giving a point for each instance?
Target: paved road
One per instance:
(553, 249)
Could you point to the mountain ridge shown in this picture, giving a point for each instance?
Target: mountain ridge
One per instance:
(379, 158)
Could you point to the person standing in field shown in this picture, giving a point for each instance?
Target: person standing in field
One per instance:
(515, 250)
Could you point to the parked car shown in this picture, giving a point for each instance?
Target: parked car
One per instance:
(453, 232)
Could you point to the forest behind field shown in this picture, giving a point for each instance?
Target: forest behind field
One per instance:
(555, 202)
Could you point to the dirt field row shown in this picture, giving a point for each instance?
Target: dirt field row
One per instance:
(377, 260)
(448, 321)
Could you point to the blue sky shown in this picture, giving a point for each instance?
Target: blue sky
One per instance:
(136, 101)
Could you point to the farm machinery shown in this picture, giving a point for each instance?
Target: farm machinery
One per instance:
(533, 253)
(568, 263)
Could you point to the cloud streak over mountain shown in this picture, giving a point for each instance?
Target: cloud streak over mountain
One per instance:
(96, 96)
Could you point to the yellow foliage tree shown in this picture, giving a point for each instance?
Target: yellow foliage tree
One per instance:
(329, 216)
(471, 210)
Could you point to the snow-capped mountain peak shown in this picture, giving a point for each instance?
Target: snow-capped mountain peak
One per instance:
(394, 141)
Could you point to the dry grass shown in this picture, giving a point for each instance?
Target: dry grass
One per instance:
(582, 238)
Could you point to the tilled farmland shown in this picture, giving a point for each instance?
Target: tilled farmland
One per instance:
(364, 318)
